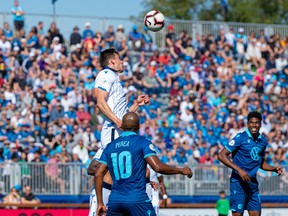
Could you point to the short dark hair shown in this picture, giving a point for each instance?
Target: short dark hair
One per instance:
(254, 114)
(106, 55)
(222, 192)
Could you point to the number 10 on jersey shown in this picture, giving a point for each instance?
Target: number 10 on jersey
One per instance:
(122, 165)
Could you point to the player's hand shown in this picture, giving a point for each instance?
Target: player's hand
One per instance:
(142, 100)
(118, 123)
(154, 185)
(101, 210)
(279, 170)
(244, 175)
(187, 171)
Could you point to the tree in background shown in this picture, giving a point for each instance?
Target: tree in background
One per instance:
(250, 11)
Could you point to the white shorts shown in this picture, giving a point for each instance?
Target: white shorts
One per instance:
(108, 134)
(153, 195)
(93, 200)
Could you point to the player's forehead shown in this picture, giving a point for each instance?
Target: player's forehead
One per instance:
(254, 119)
(116, 56)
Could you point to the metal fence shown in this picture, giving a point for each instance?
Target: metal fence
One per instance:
(72, 179)
(66, 23)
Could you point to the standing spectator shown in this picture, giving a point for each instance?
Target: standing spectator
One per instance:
(28, 197)
(75, 38)
(109, 37)
(18, 16)
(222, 205)
(120, 35)
(87, 31)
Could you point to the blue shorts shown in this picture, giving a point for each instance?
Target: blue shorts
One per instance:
(130, 209)
(244, 196)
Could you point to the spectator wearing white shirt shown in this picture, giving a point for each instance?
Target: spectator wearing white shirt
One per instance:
(231, 37)
(66, 102)
(273, 88)
(253, 53)
(89, 139)
(81, 151)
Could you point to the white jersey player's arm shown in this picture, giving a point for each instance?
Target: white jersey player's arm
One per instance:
(101, 97)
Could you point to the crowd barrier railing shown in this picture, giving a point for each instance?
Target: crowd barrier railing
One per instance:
(72, 179)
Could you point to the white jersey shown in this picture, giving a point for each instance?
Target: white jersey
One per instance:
(108, 80)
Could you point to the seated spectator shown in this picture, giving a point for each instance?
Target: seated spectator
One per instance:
(136, 41)
(28, 197)
(13, 197)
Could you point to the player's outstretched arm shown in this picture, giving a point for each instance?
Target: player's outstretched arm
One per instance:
(98, 181)
(140, 101)
(101, 97)
(162, 168)
(223, 157)
(265, 166)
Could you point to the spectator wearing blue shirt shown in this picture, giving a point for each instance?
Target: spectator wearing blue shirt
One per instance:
(18, 15)
(89, 84)
(87, 31)
(7, 31)
(136, 39)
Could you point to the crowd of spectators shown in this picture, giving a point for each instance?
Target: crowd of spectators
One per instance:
(201, 91)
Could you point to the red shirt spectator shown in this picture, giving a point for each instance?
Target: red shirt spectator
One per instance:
(81, 114)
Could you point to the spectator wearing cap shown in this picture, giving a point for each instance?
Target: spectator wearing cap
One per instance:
(89, 84)
(13, 197)
(88, 44)
(170, 36)
(148, 40)
(28, 62)
(76, 57)
(120, 35)
(180, 157)
(56, 113)
(82, 115)
(75, 38)
(136, 41)
(87, 31)
(242, 37)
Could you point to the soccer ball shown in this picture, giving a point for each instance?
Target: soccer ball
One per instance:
(154, 20)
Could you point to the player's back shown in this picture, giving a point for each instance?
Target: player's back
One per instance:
(125, 158)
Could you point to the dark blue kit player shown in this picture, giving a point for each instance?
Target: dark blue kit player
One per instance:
(248, 155)
(126, 159)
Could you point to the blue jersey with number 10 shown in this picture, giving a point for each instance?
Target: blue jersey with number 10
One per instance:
(125, 158)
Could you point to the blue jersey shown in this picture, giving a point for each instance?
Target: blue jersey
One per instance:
(125, 158)
(247, 153)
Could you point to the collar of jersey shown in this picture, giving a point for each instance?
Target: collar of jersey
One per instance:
(128, 133)
(106, 67)
(250, 135)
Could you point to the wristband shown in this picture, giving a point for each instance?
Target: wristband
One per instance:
(165, 196)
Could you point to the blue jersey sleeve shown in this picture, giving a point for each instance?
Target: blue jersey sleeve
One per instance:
(148, 148)
(234, 144)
